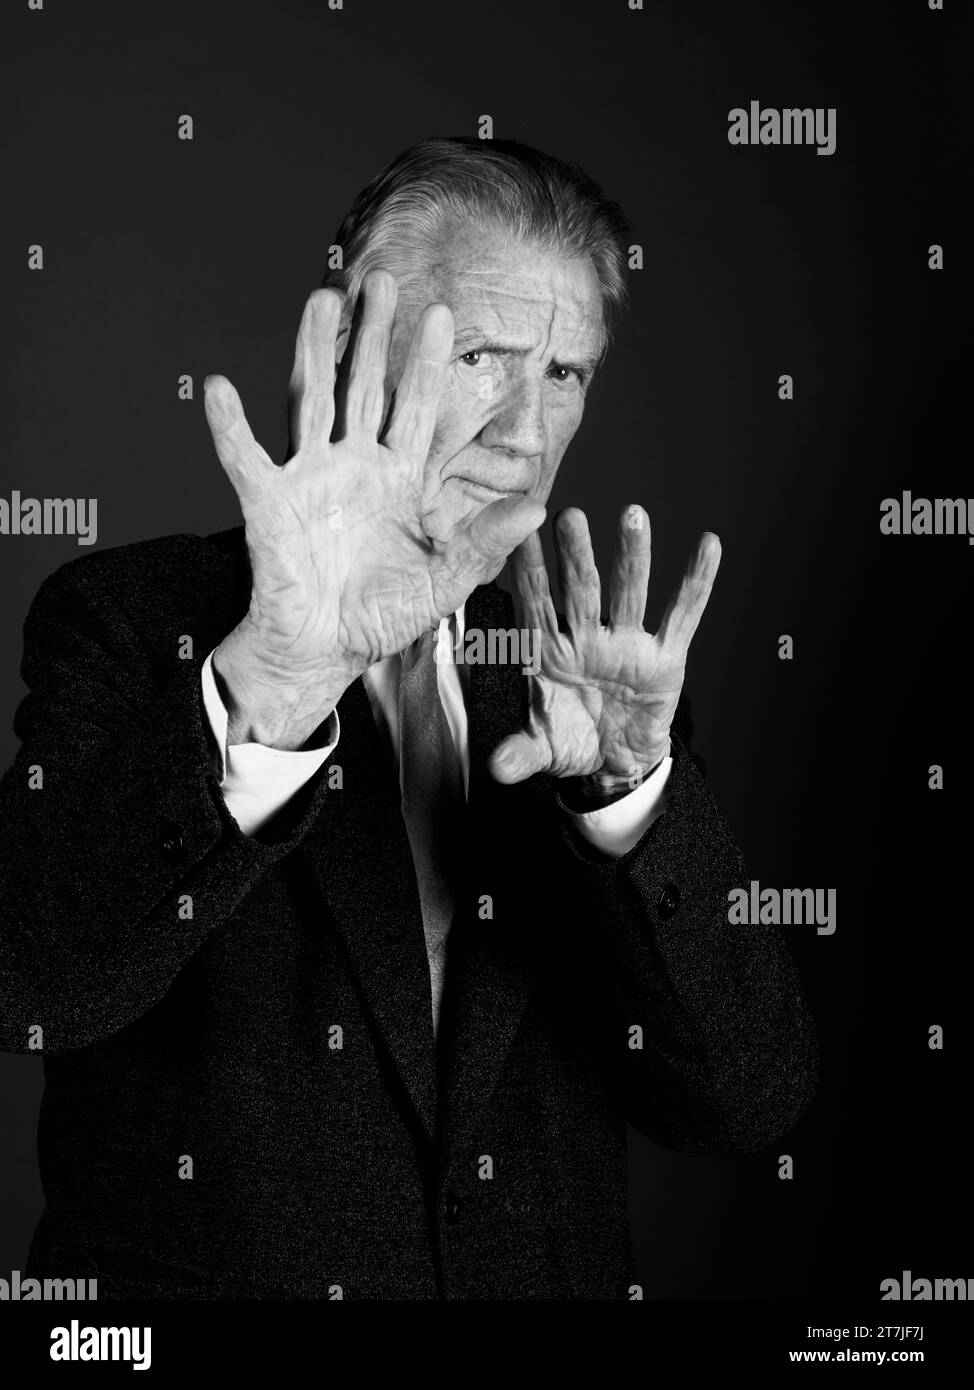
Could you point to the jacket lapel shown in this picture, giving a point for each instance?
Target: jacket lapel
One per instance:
(374, 901)
(360, 857)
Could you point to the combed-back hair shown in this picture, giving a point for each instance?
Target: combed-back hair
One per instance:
(401, 218)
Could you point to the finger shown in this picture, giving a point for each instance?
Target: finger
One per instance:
(685, 608)
(485, 543)
(578, 577)
(533, 590)
(312, 389)
(413, 413)
(518, 757)
(246, 464)
(630, 570)
(367, 355)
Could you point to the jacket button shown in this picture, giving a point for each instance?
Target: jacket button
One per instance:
(669, 901)
(451, 1207)
(171, 843)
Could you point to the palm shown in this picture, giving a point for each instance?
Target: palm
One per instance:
(342, 526)
(605, 694)
(610, 696)
(342, 571)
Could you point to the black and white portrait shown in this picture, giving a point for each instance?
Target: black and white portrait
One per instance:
(484, 733)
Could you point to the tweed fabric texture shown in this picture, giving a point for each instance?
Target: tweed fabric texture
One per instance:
(280, 1033)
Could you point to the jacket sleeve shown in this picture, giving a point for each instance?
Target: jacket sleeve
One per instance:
(118, 856)
(728, 1059)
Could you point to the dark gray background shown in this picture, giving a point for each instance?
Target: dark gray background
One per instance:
(166, 257)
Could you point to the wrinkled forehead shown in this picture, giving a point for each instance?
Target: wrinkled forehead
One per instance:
(499, 286)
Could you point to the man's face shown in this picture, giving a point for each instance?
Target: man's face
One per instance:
(528, 333)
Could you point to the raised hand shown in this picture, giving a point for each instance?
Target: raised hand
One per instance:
(604, 696)
(343, 573)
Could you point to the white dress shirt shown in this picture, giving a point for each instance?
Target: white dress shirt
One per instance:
(257, 781)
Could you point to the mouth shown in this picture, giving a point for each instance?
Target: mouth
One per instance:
(492, 491)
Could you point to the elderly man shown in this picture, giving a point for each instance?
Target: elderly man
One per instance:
(351, 960)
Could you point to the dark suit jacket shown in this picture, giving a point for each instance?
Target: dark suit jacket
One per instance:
(492, 1167)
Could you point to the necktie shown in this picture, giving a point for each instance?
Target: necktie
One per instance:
(433, 802)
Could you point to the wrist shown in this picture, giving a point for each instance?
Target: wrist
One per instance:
(270, 706)
(601, 788)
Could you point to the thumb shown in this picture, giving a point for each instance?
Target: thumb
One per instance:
(492, 534)
(518, 757)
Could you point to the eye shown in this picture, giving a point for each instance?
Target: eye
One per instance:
(563, 374)
(472, 358)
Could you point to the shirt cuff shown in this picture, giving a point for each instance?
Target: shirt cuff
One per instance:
(615, 828)
(257, 781)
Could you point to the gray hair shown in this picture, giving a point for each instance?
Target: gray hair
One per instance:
(399, 219)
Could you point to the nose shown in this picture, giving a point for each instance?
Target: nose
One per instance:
(519, 424)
